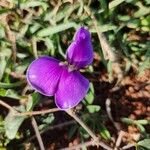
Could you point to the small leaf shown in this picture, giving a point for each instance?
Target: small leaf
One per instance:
(89, 97)
(127, 120)
(141, 128)
(93, 108)
(29, 4)
(10, 85)
(56, 29)
(12, 94)
(143, 122)
(3, 64)
(104, 132)
(2, 32)
(49, 119)
(115, 3)
(32, 101)
(142, 10)
(145, 143)
(12, 124)
(110, 70)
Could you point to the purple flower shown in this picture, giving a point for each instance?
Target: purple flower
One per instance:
(51, 77)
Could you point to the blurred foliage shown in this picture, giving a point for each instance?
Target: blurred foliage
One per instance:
(30, 28)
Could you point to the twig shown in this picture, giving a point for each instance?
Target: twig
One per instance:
(61, 125)
(11, 37)
(108, 110)
(89, 131)
(127, 146)
(119, 139)
(7, 106)
(35, 126)
(106, 48)
(41, 112)
(28, 113)
(107, 51)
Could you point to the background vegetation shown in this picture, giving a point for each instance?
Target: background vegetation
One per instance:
(117, 106)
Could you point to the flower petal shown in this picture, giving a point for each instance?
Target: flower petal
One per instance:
(43, 75)
(71, 90)
(80, 52)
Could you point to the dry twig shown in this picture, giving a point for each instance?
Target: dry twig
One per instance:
(41, 112)
(108, 53)
(108, 110)
(39, 138)
(96, 140)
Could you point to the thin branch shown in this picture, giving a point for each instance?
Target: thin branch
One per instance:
(11, 37)
(108, 53)
(7, 106)
(89, 131)
(61, 125)
(39, 138)
(106, 48)
(108, 110)
(128, 146)
(28, 113)
(119, 139)
(41, 112)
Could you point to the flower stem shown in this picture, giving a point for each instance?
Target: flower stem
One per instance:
(89, 131)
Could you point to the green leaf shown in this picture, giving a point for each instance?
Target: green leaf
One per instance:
(104, 28)
(141, 128)
(28, 4)
(10, 85)
(110, 70)
(56, 29)
(115, 3)
(104, 132)
(143, 122)
(142, 10)
(90, 95)
(49, 119)
(145, 143)
(33, 28)
(2, 32)
(9, 93)
(127, 120)
(33, 99)
(12, 124)
(4, 56)
(93, 108)
(134, 23)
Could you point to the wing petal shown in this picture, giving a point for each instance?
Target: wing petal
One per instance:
(43, 75)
